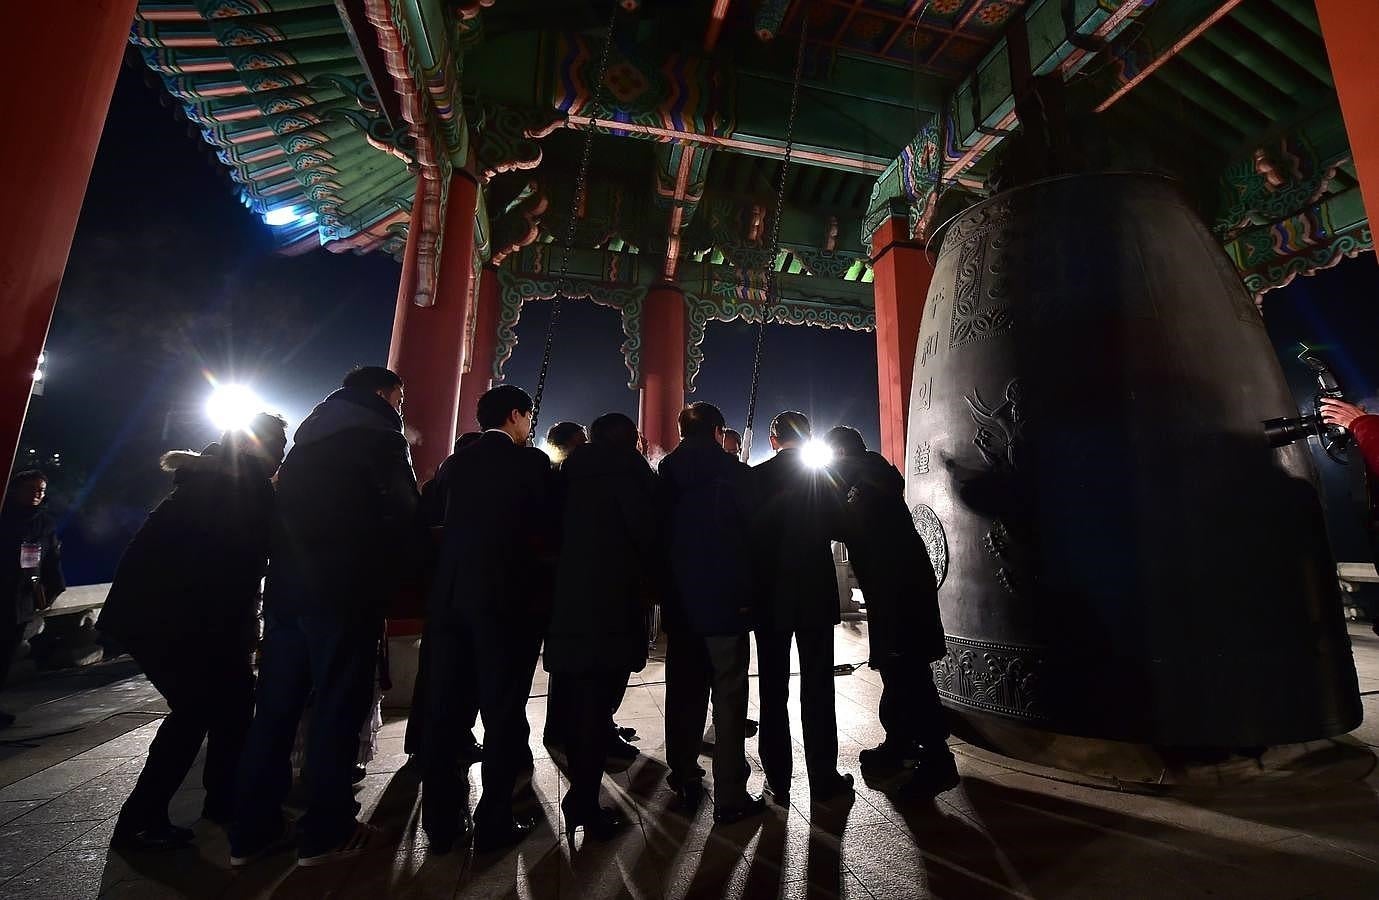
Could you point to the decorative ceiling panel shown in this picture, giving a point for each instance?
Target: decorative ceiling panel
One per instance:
(948, 38)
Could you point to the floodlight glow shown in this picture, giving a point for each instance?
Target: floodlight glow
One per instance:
(232, 407)
(283, 215)
(816, 454)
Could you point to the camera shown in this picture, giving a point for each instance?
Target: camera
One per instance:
(1334, 439)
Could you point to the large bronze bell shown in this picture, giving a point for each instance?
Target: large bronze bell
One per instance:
(1121, 554)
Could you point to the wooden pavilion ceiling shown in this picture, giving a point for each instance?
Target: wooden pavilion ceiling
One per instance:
(942, 37)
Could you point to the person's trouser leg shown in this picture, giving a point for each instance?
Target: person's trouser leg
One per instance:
(773, 684)
(729, 657)
(414, 739)
(344, 666)
(528, 658)
(231, 701)
(891, 709)
(557, 726)
(171, 755)
(444, 798)
(687, 703)
(928, 721)
(817, 713)
(264, 776)
(586, 696)
(506, 662)
(619, 691)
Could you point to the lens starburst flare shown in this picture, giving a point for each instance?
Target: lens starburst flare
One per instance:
(232, 407)
(816, 454)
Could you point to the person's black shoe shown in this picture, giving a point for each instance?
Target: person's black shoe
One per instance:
(6, 719)
(754, 806)
(933, 775)
(354, 845)
(831, 789)
(627, 733)
(359, 774)
(486, 840)
(280, 840)
(619, 749)
(779, 795)
(751, 729)
(599, 823)
(439, 843)
(889, 755)
(688, 793)
(151, 839)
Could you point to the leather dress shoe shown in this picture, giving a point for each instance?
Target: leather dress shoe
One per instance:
(599, 823)
(153, 838)
(831, 789)
(780, 796)
(752, 807)
(486, 840)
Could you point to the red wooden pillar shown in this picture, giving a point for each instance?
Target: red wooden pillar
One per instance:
(900, 285)
(46, 174)
(428, 341)
(663, 366)
(482, 350)
(1351, 33)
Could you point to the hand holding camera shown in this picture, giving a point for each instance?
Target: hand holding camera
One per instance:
(1339, 412)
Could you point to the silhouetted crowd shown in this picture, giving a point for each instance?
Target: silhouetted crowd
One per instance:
(519, 557)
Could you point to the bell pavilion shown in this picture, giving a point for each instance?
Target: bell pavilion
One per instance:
(450, 134)
(1031, 204)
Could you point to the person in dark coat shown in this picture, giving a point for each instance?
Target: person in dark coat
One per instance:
(799, 512)
(1364, 428)
(561, 440)
(705, 503)
(464, 698)
(485, 616)
(897, 579)
(31, 576)
(609, 557)
(732, 443)
(342, 538)
(184, 604)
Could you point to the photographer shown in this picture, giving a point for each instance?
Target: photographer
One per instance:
(1364, 428)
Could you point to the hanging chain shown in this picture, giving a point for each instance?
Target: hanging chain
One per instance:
(775, 240)
(581, 180)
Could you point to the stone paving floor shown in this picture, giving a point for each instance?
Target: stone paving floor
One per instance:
(1010, 830)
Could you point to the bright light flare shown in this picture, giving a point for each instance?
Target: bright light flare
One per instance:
(816, 454)
(283, 215)
(232, 407)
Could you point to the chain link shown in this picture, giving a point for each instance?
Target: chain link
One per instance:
(771, 271)
(581, 180)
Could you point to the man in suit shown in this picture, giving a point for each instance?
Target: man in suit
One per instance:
(896, 577)
(705, 502)
(799, 511)
(485, 610)
(340, 543)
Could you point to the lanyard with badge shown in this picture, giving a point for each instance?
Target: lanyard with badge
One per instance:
(30, 555)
